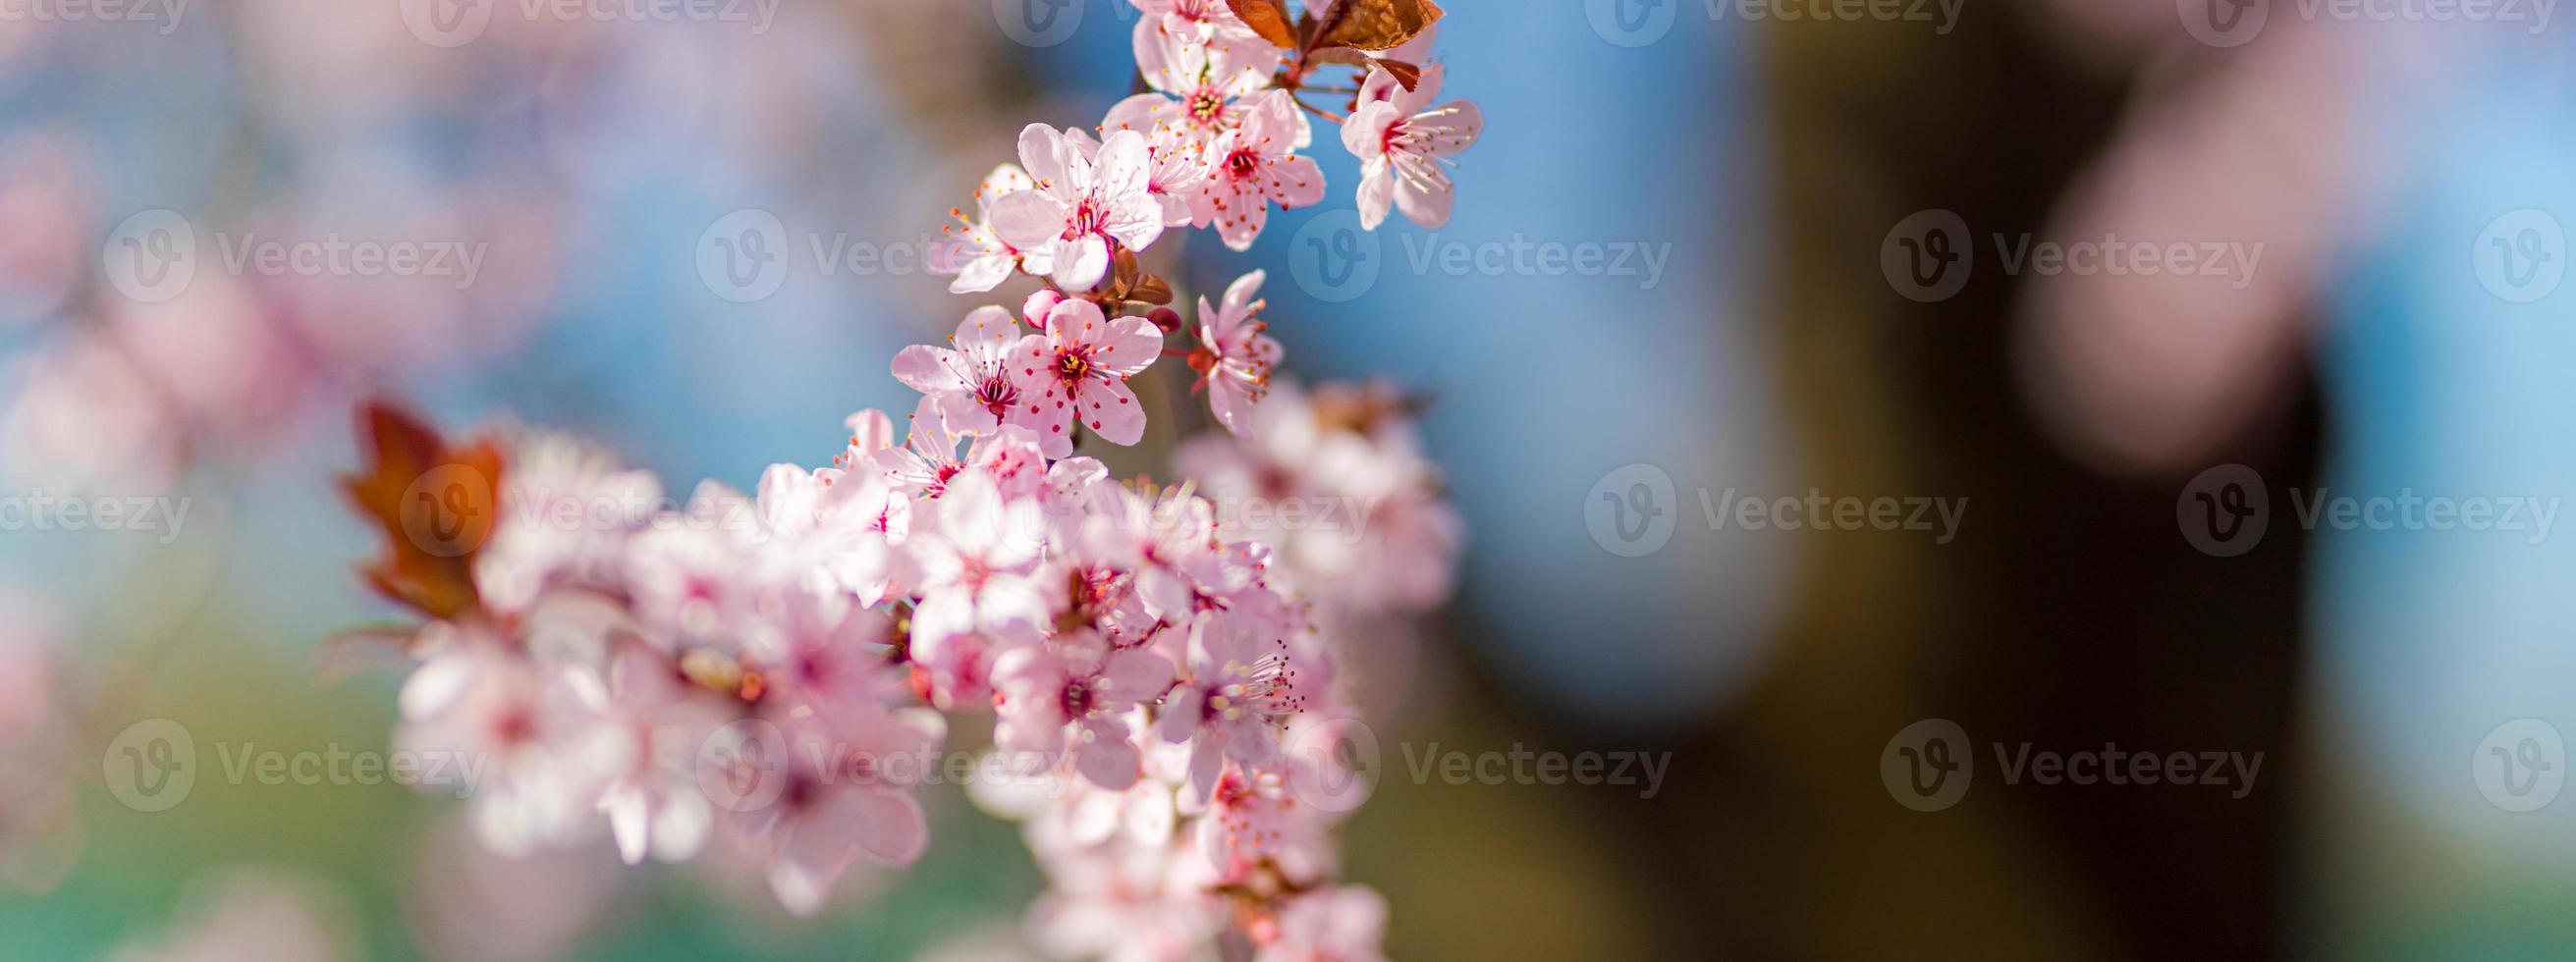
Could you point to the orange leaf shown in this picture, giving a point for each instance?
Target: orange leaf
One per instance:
(435, 504)
(1267, 18)
(1375, 24)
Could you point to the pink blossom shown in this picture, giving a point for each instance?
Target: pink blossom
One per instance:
(1081, 206)
(973, 251)
(1255, 165)
(845, 796)
(1078, 690)
(1346, 924)
(567, 508)
(1235, 357)
(972, 381)
(1239, 692)
(1200, 89)
(975, 567)
(1079, 372)
(1404, 145)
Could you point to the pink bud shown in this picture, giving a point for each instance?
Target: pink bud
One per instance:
(1038, 304)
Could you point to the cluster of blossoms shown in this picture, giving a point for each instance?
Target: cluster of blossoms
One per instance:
(776, 673)
(1214, 143)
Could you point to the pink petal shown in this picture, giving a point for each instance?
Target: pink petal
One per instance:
(930, 370)
(1127, 346)
(1110, 409)
(1028, 220)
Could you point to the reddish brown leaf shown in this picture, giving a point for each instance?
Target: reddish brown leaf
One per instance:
(1151, 290)
(435, 504)
(1124, 272)
(1375, 24)
(1405, 73)
(1269, 18)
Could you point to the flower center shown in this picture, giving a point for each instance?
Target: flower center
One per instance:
(1071, 366)
(1078, 698)
(1088, 218)
(1206, 105)
(997, 394)
(1242, 163)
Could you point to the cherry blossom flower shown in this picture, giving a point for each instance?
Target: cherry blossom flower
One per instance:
(1079, 372)
(1234, 357)
(566, 508)
(511, 734)
(973, 251)
(1081, 691)
(1239, 691)
(844, 797)
(1065, 227)
(645, 713)
(1254, 166)
(1167, 544)
(972, 381)
(1199, 89)
(1194, 20)
(1404, 145)
(975, 565)
(1346, 924)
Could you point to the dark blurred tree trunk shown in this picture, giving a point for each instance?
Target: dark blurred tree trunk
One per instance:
(2069, 613)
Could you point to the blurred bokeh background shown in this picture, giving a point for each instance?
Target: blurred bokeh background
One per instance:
(1768, 316)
